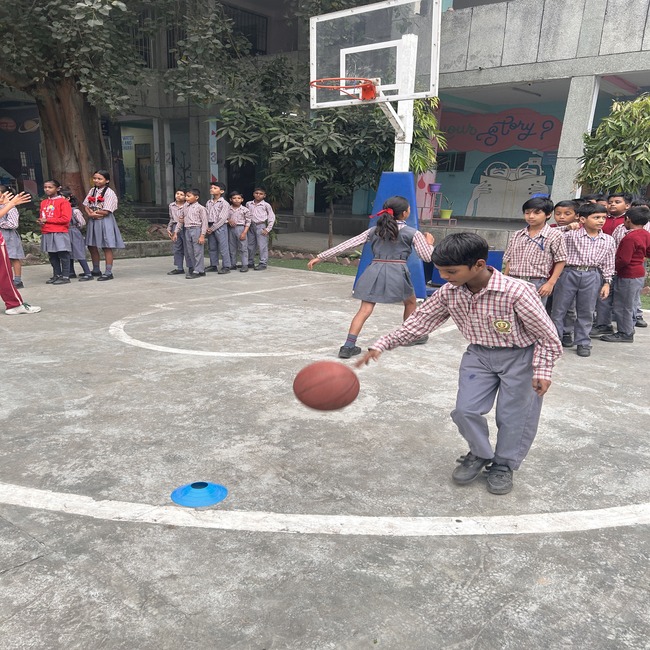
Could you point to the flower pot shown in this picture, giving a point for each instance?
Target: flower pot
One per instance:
(434, 187)
(445, 214)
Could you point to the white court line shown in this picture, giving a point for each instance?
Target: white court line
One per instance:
(274, 522)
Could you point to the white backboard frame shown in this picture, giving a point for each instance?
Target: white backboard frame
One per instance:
(390, 92)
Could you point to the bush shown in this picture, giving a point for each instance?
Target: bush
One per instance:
(131, 227)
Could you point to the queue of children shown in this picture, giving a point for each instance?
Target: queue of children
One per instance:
(231, 228)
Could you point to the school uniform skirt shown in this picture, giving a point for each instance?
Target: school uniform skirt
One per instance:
(14, 244)
(104, 233)
(384, 281)
(78, 244)
(55, 242)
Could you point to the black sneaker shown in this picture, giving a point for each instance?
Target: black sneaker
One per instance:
(176, 272)
(85, 277)
(62, 279)
(599, 330)
(193, 276)
(223, 270)
(470, 467)
(211, 269)
(499, 479)
(567, 340)
(19, 284)
(640, 322)
(583, 351)
(72, 275)
(619, 337)
(421, 341)
(260, 267)
(51, 280)
(105, 277)
(244, 269)
(346, 351)
(251, 265)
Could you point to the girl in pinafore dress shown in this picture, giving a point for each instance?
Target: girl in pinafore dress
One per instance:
(387, 279)
(9, 228)
(54, 218)
(77, 240)
(102, 231)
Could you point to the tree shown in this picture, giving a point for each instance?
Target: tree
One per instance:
(616, 156)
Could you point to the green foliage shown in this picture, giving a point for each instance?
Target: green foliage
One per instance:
(131, 227)
(27, 223)
(616, 156)
(427, 137)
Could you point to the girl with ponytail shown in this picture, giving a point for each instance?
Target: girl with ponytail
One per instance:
(387, 278)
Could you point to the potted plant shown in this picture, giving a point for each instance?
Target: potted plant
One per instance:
(445, 213)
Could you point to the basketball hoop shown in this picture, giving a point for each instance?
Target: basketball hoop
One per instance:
(368, 87)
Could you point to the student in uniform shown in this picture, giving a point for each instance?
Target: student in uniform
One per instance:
(54, 218)
(77, 241)
(178, 245)
(262, 220)
(218, 243)
(9, 229)
(195, 222)
(387, 278)
(102, 230)
(239, 222)
(587, 275)
(513, 348)
(537, 253)
(11, 297)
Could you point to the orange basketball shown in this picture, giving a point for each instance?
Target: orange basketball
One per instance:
(326, 386)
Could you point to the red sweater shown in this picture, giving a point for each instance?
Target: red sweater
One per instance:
(57, 212)
(611, 222)
(631, 253)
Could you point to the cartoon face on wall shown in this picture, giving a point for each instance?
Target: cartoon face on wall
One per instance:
(505, 181)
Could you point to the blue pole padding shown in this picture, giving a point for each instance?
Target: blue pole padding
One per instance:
(397, 184)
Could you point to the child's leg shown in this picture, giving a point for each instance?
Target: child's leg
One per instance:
(563, 297)
(263, 246)
(213, 249)
(360, 318)
(84, 266)
(17, 268)
(178, 249)
(628, 291)
(10, 295)
(410, 305)
(64, 260)
(108, 258)
(56, 264)
(604, 307)
(233, 244)
(251, 243)
(94, 257)
(224, 246)
(586, 298)
(243, 246)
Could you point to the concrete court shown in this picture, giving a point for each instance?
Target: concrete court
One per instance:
(341, 530)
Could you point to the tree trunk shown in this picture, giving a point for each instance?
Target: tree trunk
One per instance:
(330, 225)
(71, 135)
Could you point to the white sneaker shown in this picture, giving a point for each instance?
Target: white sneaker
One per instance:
(23, 309)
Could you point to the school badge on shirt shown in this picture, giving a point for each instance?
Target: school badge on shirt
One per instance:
(502, 326)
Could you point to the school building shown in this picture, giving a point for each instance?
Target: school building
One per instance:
(520, 82)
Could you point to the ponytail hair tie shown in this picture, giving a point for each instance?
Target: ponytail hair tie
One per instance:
(386, 211)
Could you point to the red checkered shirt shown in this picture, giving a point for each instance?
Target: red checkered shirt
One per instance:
(535, 256)
(507, 313)
(584, 250)
(422, 248)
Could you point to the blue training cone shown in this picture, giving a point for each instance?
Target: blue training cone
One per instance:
(199, 494)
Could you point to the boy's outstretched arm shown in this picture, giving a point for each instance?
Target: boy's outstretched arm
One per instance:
(365, 359)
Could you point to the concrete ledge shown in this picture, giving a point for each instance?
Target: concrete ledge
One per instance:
(158, 248)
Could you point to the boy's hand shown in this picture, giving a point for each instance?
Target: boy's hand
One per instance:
(209, 231)
(265, 232)
(202, 239)
(431, 240)
(546, 289)
(174, 236)
(604, 292)
(169, 234)
(365, 359)
(540, 386)
(312, 263)
(242, 237)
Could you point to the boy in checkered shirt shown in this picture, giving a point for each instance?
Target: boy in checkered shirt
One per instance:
(513, 348)
(537, 253)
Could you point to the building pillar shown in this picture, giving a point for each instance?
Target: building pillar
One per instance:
(578, 120)
(167, 167)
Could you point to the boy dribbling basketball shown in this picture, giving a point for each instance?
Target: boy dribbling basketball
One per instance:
(513, 348)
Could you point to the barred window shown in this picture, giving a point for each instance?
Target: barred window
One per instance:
(252, 26)
(174, 34)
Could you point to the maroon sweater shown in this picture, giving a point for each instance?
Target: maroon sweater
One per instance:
(631, 253)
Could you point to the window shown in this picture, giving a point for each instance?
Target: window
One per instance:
(141, 40)
(451, 161)
(252, 26)
(174, 34)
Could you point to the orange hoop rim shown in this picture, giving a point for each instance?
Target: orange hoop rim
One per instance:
(366, 86)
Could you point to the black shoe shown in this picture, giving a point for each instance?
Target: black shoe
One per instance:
(499, 479)
(224, 270)
(244, 269)
(640, 322)
(85, 277)
(260, 267)
(192, 276)
(599, 330)
(583, 351)
(346, 351)
(62, 279)
(251, 265)
(233, 268)
(470, 467)
(201, 274)
(175, 272)
(421, 341)
(211, 269)
(104, 277)
(619, 337)
(72, 275)
(51, 280)
(95, 274)
(567, 340)
(19, 285)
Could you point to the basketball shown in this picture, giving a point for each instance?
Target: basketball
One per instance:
(326, 386)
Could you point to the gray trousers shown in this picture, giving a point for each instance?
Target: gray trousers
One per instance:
(604, 313)
(504, 374)
(628, 294)
(223, 246)
(581, 288)
(178, 247)
(258, 242)
(213, 247)
(236, 244)
(195, 251)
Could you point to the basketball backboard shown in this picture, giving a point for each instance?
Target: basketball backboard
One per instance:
(395, 41)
